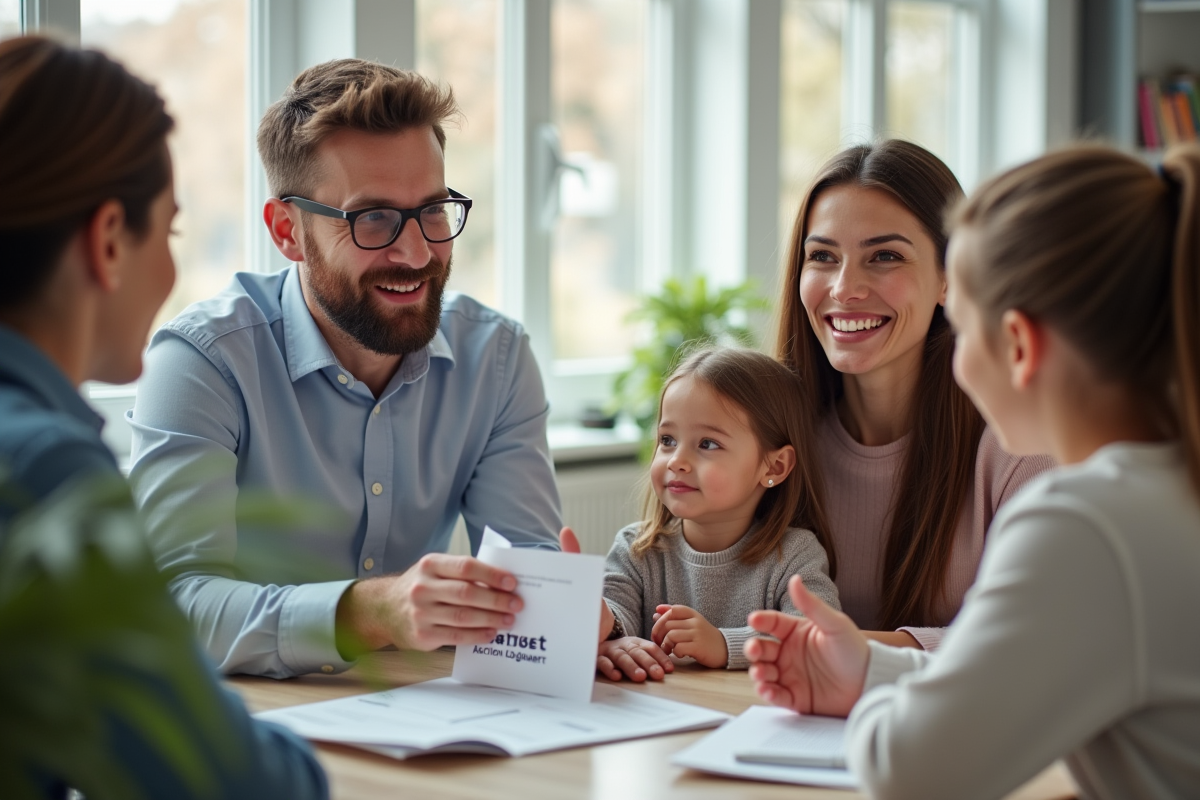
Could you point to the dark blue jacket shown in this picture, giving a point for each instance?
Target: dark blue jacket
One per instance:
(49, 437)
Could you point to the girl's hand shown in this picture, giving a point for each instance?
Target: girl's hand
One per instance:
(682, 631)
(632, 656)
(816, 664)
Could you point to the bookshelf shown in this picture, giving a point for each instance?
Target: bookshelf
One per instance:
(1122, 42)
(1167, 45)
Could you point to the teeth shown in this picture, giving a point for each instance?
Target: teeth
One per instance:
(402, 288)
(850, 325)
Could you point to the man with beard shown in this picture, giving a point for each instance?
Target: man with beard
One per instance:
(350, 380)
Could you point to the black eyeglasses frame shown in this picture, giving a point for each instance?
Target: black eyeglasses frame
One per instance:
(406, 214)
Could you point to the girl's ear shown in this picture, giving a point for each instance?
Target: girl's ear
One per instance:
(1024, 346)
(778, 464)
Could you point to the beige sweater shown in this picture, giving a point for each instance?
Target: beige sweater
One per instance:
(860, 484)
(1078, 640)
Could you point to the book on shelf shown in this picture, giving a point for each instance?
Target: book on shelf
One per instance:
(1169, 111)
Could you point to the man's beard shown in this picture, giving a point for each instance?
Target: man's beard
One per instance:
(395, 331)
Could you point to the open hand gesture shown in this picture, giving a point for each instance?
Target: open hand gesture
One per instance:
(819, 664)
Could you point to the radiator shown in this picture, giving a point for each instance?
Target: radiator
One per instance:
(598, 500)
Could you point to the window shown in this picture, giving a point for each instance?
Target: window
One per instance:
(810, 101)
(456, 44)
(855, 69)
(194, 52)
(596, 88)
(920, 47)
(10, 18)
(608, 143)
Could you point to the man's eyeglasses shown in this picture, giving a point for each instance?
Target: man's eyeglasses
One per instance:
(377, 227)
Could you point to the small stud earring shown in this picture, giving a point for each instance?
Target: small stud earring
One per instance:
(770, 481)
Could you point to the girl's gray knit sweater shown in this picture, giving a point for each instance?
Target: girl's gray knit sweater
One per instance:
(717, 585)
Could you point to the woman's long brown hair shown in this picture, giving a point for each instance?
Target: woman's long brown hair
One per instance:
(946, 428)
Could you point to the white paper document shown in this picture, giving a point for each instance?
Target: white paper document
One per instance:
(448, 716)
(551, 648)
(762, 733)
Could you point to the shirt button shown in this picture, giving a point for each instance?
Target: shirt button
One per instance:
(369, 564)
(376, 410)
(376, 488)
(327, 669)
(343, 380)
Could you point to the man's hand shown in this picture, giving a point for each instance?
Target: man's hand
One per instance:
(682, 631)
(440, 600)
(819, 664)
(632, 656)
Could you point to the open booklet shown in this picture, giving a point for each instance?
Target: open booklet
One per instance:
(446, 716)
(774, 744)
(528, 691)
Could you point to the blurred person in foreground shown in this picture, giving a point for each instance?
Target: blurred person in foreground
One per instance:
(351, 378)
(85, 218)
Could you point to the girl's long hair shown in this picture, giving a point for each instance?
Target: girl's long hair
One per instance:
(765, 391)
(1106, 251)
(940, 462)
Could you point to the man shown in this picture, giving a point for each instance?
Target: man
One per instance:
(345, 379)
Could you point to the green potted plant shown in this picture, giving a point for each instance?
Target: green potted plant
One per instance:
(92, 638)
(682, 314)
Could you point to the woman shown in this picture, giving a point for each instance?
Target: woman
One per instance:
(85, 218)
(1074, 287)
(912, 477)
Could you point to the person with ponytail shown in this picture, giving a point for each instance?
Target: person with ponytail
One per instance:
(1074, 290)
(85, 220)
(911, 475)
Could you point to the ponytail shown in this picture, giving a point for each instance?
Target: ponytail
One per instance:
(1181, 169)
(1106, 251)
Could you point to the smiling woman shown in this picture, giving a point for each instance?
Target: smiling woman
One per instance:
(911, 476)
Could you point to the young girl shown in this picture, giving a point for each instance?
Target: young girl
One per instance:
(730, 516)
(1074, 286)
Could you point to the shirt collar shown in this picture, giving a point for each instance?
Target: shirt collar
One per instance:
(439, 347)
(307, 350)
(23, 364)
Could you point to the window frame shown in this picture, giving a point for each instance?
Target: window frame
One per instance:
(705, 162)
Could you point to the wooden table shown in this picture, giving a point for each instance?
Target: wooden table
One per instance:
(627, 770)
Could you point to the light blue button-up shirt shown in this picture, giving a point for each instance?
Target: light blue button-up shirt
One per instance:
(241, 392)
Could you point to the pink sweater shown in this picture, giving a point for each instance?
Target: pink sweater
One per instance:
(859, 484)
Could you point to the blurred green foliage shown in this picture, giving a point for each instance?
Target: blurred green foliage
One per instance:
(682, 316)
(84, 618)
(91, 637)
